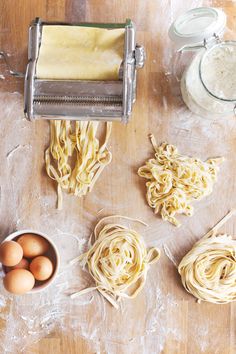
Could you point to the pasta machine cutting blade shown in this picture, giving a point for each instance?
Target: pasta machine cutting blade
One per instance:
(82, 99)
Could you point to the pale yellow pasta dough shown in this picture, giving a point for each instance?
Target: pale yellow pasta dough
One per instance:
(75, 52)
(175, 180)
(118, 261)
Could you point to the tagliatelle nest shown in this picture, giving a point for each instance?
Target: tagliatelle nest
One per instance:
(174, 181)
(118, 261)
(208, 270)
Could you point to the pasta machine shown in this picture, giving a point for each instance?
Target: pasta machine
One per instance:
(82, 99)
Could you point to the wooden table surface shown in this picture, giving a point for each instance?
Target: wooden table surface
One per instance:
(163, 318)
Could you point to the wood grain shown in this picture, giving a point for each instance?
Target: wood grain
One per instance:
(204, 328)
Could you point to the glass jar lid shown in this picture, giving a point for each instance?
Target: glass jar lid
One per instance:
(197, 25)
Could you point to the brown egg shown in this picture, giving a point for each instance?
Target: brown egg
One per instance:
(33, 245)
(11, 253)
(18, 281)
(23, 264)
(41, 267)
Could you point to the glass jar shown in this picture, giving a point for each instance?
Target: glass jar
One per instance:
(208, 84)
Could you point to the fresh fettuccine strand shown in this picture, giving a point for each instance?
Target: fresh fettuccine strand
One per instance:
(208, 270)
(175, 180)
(75, 158)
(118, 261)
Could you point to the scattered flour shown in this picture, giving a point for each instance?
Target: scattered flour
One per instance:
(33, 316)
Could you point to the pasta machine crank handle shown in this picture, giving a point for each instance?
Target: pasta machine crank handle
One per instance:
(4, 56)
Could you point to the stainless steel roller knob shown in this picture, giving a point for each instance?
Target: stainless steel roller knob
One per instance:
(140, 56)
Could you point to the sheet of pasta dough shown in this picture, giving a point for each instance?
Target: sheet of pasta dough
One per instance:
(74, 52)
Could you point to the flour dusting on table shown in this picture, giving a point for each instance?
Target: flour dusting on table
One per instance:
(28, 318)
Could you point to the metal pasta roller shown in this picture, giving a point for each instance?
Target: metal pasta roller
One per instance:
(82, 99)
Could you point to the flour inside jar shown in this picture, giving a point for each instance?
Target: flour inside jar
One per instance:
(218, 71)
